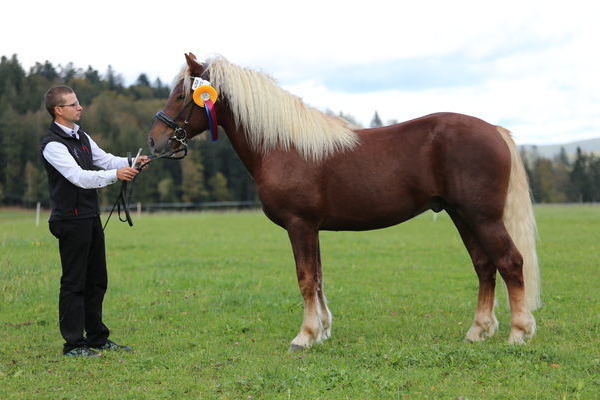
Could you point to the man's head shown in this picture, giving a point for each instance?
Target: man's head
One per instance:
(62, 105)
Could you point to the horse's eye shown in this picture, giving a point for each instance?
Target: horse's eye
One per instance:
(180, 97)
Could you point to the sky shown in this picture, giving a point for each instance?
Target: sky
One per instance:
(531, 66)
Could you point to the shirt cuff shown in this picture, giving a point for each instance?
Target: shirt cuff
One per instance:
(113, 175)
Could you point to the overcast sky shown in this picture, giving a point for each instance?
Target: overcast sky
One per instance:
(531, 66)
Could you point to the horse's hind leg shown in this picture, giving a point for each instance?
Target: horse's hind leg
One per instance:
(304, 238)
(326, 317)
(498, 245)
(485, 323)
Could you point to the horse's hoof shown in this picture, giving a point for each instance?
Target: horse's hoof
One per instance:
(516, 340)
(475, 335)
(296, 347)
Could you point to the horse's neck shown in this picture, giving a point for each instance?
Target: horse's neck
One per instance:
(237, 137)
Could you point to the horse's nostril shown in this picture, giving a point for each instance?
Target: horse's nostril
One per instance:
(151, 141)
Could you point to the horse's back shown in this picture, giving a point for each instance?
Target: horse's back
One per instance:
(442, 143)
(426, 151)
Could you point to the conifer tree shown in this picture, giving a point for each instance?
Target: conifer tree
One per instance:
(142, 80)
(579, 179)
(376, 121)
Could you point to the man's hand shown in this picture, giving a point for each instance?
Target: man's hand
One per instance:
(142, 160)
(127, 173)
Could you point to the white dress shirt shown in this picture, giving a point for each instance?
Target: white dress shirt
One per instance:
(59, 157)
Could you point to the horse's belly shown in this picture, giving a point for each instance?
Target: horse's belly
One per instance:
(338, 224)
(364, 203)
(370, 217)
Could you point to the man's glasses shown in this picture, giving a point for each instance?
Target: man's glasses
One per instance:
(76, 104)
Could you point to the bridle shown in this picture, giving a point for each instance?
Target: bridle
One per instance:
(180, 133)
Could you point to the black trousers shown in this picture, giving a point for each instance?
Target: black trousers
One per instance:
(83, 282)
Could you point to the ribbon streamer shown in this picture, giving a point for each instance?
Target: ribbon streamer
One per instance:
(212, 119)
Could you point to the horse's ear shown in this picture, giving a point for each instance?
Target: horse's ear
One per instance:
(196, 68)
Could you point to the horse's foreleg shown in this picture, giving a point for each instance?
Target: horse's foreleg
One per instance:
(304, 238)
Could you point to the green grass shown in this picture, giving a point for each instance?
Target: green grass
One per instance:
(210, 303)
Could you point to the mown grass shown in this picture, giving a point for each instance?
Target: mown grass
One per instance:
(210, 303)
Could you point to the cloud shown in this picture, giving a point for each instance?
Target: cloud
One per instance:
(407, 74)
(458, 69)
(528, 95)
(545, 90)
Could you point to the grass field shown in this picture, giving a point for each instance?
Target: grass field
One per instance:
(210, 303)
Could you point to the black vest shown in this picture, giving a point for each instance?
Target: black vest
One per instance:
(67, 200)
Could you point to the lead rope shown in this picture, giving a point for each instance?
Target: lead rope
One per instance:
(122, 201)
(124, 197)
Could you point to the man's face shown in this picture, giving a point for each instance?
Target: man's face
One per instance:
(70, 109)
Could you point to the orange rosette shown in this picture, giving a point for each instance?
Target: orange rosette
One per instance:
(204, 92)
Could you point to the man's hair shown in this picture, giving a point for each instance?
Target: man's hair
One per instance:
(54, 97)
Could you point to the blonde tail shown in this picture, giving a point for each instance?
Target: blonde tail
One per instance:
(520, 222)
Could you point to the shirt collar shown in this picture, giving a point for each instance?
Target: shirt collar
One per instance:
(68, 130)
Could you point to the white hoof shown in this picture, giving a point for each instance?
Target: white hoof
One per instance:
(295, 347)
(523, 328)
(304, 340)
(516, 338)
(482, 329)
(326, 334)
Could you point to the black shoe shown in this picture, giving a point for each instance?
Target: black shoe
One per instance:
(82, 352)
(112, 346)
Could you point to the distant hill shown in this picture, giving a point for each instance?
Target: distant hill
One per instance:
(549, 151)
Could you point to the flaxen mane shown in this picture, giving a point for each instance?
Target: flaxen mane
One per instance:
(272, 117)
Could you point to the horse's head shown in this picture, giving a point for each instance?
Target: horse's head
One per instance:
(181, 118)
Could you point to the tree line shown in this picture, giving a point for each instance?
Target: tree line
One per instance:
(118, 117)
(564, 178)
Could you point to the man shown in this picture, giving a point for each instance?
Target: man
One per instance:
(72, 160)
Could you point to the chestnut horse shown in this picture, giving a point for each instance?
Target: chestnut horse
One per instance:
(314, 172)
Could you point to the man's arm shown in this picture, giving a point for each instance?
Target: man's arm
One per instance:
(59, 157)
(105, 160)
